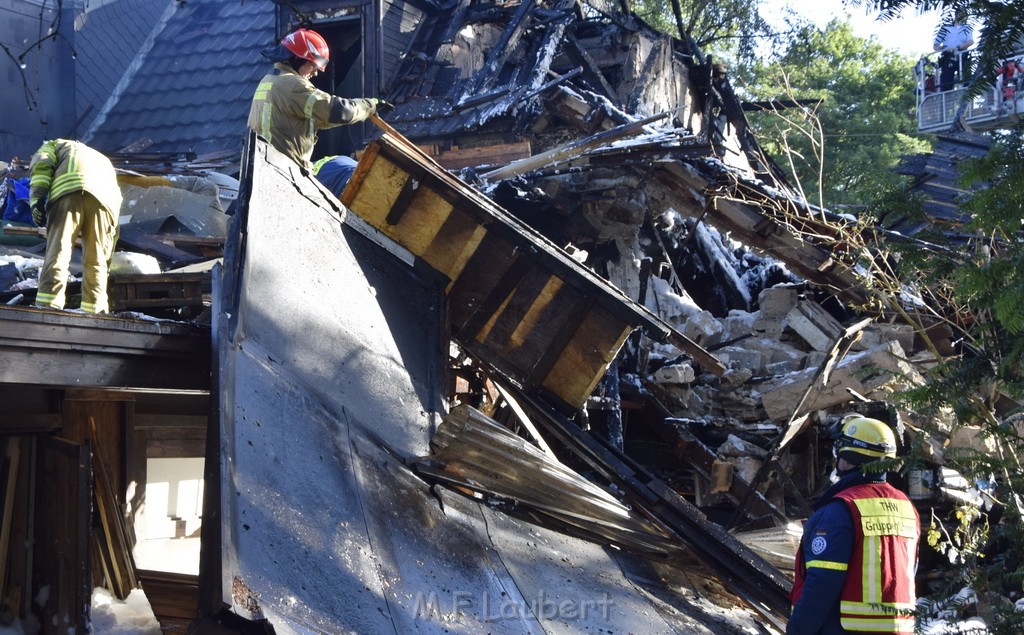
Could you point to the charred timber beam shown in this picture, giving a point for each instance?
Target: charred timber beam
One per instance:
(504, 46)
(761, 231)
(580, 56)
(571, 150)
(551, 84)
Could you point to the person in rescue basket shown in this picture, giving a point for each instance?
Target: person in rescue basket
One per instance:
(858, 554)
(73, 190)
(287, 109)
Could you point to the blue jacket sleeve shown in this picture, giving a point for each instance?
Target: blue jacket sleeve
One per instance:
(827, 544)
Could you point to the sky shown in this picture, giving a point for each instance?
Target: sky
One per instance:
(910, 34)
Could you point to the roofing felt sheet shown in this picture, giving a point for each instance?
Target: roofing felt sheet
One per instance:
(331, 353)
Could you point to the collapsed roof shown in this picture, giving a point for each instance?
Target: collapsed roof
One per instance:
(325, 526)
(588, 126)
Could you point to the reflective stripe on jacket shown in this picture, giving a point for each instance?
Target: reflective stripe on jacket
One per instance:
(879, 594)
(287, 110)
(62, 166)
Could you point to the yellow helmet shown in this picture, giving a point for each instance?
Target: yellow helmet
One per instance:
(866, 438)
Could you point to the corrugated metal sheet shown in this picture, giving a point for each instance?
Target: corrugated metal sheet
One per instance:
(474, 450)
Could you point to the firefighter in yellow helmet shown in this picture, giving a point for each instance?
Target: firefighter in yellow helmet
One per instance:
(287, 109)
(73, 190)
(858, 554)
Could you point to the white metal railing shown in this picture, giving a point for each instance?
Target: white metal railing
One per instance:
(937, 108)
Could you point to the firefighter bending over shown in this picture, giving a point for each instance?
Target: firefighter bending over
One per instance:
(73, 189)
(855, 567)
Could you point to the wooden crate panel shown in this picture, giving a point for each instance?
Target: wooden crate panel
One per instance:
(141, 291)
(454, 245)
(584, 361)
(481, 273)
(419, 225)
(528, 322)
(515, 300)
(375, 195)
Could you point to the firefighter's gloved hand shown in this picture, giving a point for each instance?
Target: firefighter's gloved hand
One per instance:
(382, 107)
(39, 212)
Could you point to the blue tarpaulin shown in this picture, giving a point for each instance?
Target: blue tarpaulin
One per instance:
(16, 207)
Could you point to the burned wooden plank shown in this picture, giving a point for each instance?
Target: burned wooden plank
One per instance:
(570, 150)
(173, 597)
(61, 549)
(497, 154)
(574, 318)
(586, 357)
(116, 543)
(398, 207)
(701, 459)
(515, 273)
(29, 424)
(580, 56)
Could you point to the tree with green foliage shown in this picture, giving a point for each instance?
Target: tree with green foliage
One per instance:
(729, 28)
(978, 274)
(842, 151)
(999, 24)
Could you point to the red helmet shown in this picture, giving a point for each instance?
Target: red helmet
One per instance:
(309, 45)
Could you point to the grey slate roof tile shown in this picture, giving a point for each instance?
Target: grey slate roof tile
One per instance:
(193, 89)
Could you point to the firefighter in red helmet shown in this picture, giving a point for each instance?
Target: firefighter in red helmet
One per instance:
(858, 554)
(287, 109)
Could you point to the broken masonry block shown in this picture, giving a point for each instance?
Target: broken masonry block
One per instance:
(701, 327)
(739, 357)
(675, 374)
(877, 334)
(879, 370)
(781, 368)
(735, 447)
(814, 325)
(773, 350)
(814, 359)
(775, 304)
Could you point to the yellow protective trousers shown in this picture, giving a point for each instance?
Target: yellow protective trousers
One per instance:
(67, 217)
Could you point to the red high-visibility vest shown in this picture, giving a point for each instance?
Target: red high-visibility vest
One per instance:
(878, 594)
